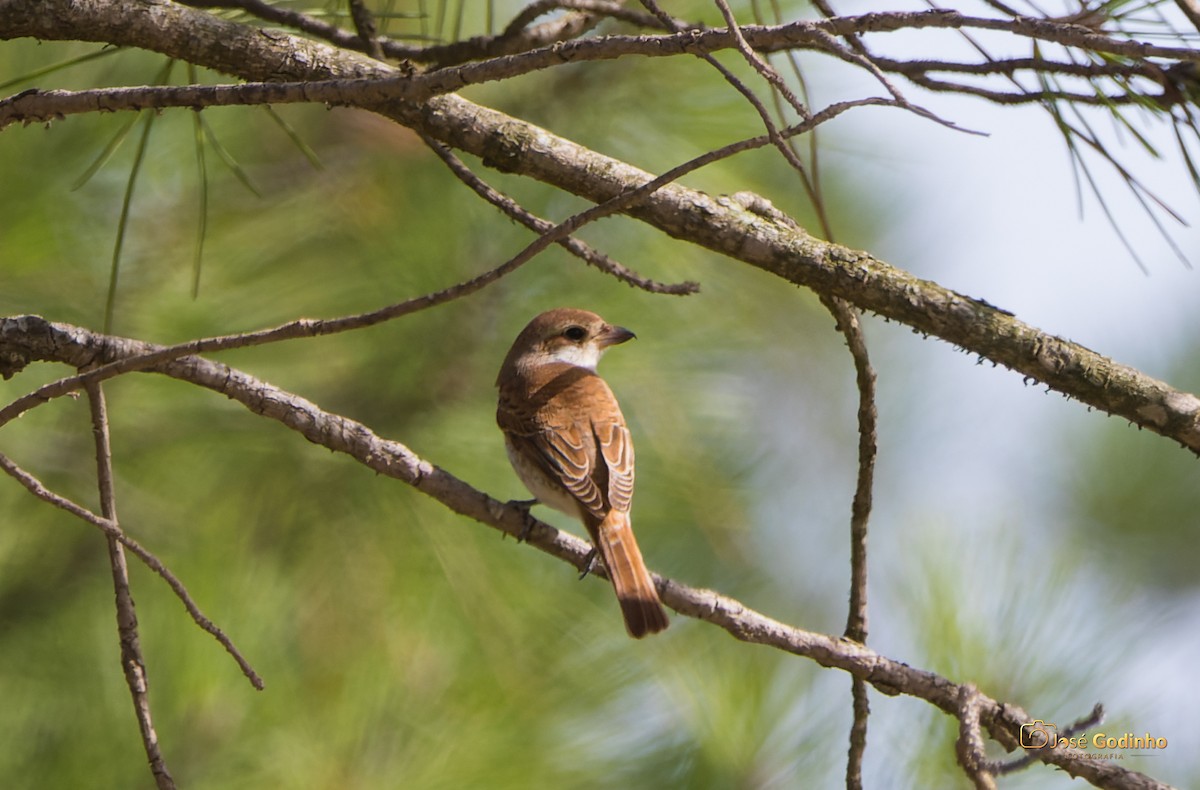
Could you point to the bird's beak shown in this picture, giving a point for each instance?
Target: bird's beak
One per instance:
(614, 335)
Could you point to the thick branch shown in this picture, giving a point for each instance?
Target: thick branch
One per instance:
(33, 338)
(818, 35)
(719, 224)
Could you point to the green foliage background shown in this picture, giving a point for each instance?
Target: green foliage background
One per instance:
(404, 646)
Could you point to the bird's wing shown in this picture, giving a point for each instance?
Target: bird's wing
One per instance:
(570, 455)
(616, 448)
(579, 438)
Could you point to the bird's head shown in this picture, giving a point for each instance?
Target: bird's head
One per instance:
(574, 337)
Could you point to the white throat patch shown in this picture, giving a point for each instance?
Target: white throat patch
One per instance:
(585, 356)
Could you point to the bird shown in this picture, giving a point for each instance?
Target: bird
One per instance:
(568, 443)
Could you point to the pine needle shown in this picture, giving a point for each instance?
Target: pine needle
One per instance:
(295, 137)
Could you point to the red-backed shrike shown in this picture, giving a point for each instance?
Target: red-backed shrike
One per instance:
(567, 441)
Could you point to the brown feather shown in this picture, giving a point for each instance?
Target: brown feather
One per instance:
(568, 442)
(627, 571)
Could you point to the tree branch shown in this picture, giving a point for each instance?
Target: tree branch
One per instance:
(114, 532)
(12, 361)
(364, 25)
(860, 513)
(721, 225)
(512, 40)
(310, 60)
(515, 38)
(293, 69)
(576, 247)
(969, 747)
(33, 338)
(870, 284)
(132, 661)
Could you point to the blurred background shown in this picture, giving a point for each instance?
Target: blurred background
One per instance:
(1021, 542)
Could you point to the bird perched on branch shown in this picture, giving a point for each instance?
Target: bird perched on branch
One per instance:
(566, 438)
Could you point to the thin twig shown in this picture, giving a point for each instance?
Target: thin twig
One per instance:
(857, 56)
(606, 8)
(293, 329)
(575, 246)
(114, 532)
(306, 23)
(848, 323)
(969, 746)
(861, 705)
(773, 134)
(132, 661)
(850, 326)
(364, 25)
(391, 458)
(311, 328)
(860, 511)
(758, 63)
(36, 106)
(868, 419)
(810, 179)
(516, 38)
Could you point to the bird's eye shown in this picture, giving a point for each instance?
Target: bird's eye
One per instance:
(575, 333)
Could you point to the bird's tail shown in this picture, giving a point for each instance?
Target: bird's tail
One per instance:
(640, 606)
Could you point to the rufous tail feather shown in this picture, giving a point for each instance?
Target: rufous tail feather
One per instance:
(640, 606)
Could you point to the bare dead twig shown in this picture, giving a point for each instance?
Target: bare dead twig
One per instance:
(36, 106)
(311, 327)
(762, 67)
(114, 532)
(861, 708)
(850, 326)
(607, 8)
(1002, 721)
(758, 63)
(132, 661)
(969, 746)
(573, 245)
(868, 432)
(515, 38)
(364, 25)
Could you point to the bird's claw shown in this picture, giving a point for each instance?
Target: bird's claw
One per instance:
(589, 562)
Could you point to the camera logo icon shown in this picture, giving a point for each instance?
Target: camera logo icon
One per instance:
(1038, 734)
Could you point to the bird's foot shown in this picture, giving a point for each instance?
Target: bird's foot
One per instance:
(524, 505)
(589, 562)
